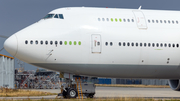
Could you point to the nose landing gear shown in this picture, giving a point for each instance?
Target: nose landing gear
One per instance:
(74, 89)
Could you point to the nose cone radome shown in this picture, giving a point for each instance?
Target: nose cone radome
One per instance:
(10, 45)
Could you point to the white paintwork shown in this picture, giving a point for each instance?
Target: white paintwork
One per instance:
(81, 24)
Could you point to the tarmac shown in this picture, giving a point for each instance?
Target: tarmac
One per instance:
(117, 92)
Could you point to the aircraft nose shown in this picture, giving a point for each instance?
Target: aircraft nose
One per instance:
(10, 45)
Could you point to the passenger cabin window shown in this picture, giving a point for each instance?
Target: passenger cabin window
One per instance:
(36, 42)
(132, 44)
(75, 43)
(98, 43)
(60, 42)
(46, 42)
(153, 21)
(173, 45)
(99, 19)
(136, 44)
(26, 42)
(141, 44)
(51, 42)
(128, 44)
(164, 21)
(56, 42)
(103, 19)
(157, 45)
(144, 44)
(153, 44)
(107, 19)
(106, 43)
(156, 21)
(124, 44)
(111, 43)
(41, 42)
(169, 21)
(124, 20)
(70, 42)
(177, 45)
(119, 43)
(31, 42)
(48, 16)
(132, 20)
(161, 45)
(169, 45)
(177, 22)
(160, 21)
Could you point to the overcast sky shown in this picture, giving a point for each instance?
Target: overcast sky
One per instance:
(18, 14)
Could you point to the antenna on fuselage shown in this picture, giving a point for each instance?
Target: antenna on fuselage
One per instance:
(139, 8)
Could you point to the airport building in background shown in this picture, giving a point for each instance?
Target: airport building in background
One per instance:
(6, 71)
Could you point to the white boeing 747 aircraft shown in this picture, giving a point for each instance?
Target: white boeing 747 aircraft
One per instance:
(103, 42)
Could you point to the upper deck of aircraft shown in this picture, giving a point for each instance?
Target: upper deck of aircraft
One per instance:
(102, 16)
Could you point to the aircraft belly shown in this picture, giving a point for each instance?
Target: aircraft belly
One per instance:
(117, 70)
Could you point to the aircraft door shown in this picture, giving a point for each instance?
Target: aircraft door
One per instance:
(96, 43)
(140, 19)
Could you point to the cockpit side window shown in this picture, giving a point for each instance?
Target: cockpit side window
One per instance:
(61, 16)
(56, 16)
(48, 16)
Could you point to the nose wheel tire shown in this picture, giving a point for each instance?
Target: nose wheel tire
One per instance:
(72, 93)
(90, 96)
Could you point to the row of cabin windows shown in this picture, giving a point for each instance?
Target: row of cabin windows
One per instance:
(143, 44)
(163, 21)
(132, 20)
(116, 20)
(110, 43)
(55, 42)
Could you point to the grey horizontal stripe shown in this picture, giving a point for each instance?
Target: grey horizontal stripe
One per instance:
(117, 71)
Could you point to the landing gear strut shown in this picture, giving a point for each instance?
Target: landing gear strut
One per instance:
(68, 90)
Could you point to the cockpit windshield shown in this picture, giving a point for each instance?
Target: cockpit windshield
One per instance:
(48, 16)
(59, 16)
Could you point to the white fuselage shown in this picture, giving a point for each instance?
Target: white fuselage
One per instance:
(103, 42)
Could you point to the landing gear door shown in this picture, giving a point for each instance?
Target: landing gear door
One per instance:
(140, 19)
(96, 43)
